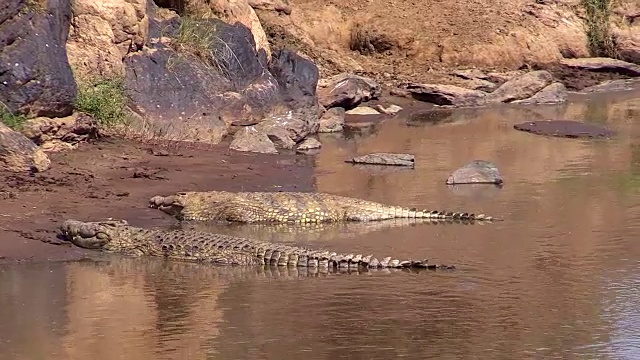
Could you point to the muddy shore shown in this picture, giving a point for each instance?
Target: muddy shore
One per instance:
(115, 178)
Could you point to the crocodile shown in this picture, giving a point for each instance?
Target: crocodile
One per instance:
(290, 207)
(117, 236)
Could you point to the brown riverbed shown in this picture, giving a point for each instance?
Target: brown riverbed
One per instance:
(558, 279)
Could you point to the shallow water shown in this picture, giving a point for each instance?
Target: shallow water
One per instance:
(560, 278)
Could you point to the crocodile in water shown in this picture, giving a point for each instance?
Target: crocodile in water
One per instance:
(119, 237)
(290, 207)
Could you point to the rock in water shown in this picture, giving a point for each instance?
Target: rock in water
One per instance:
(476, 172)
(384, 159)
(19, 154)
(565, 128)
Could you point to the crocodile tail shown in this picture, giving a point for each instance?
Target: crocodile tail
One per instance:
(445, 215)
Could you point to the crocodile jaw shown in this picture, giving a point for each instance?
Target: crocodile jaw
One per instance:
(89, 235)
(168, 204)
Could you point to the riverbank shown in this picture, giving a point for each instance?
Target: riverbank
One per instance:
(115, 178)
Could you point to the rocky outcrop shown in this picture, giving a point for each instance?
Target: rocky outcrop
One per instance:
(35, 77)
(59, 134)
(182, 96)
(534, 87)
(19, 154)
(603, 65)
(332, 120)
(347, 91)
(102, 33)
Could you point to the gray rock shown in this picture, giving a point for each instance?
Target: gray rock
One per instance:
(60, 134)
(309, 144)
(476, 172)
(521, 87)
(347, 91)
(600, 64)
(555, 93)
(391, 110)
(297, 124)
(446, 95)
(332, 120)
(35, 76)
(362, 110)
(249, 139)
(394, 159)
(19, 154)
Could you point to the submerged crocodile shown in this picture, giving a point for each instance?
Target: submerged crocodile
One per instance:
(290, 207)
(118, 236)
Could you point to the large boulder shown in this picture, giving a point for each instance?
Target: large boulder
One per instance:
(103, 32)
(19, 154)
(521, 87)
(347, 91)
(181, 94)
(603, 65)
(446, 94)
(35, 77)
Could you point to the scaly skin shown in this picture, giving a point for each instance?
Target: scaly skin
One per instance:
(289, 207)
(118, 236)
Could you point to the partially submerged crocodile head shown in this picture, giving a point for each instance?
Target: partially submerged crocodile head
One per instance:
(198, 204)
(110, 235)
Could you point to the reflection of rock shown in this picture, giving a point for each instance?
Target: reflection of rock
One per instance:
(431, 117)
(332, 120)
(347, 91)
(476, 172)
(248, 139)
(61, 133)
(19, 154)
(565, 128)
(35, 77)
(476, 191)
(384, 159)
(611, 86)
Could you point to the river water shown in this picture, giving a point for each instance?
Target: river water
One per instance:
(559, 278)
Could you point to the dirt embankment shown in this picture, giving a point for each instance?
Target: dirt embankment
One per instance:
(422, 41)
(114, 178)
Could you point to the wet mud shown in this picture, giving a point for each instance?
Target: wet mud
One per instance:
(115, 178)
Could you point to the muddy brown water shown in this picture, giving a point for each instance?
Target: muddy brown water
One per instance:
(559, 278)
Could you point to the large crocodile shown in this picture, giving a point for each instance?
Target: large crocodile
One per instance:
(289, 207)
(119, 237)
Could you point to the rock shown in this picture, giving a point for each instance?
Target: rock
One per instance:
(249, 139)
(232, 11)
(19, 154)
(565, 128)
(176, 102)
(347, 91)
(59, 134)
(627, 42)
(35, 77)
(362, 110)
(521, 87)
(297, 78)
(476, 172)
(399, 92)
(391, 110)
(332, 120)
(384, 159)
(297, 124)
(446, 95)
(611, 86)
(103, 33)
(309, 144)
(603, 64)
(271, 5)
(555, 93)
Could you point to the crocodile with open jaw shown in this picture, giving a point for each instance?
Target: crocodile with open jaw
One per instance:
(118, 236)
(290, 207)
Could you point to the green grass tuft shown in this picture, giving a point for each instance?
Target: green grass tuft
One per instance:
(11, 120)
(598, 17)
(105, 100)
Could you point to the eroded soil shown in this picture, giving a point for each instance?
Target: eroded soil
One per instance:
(115, 178)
